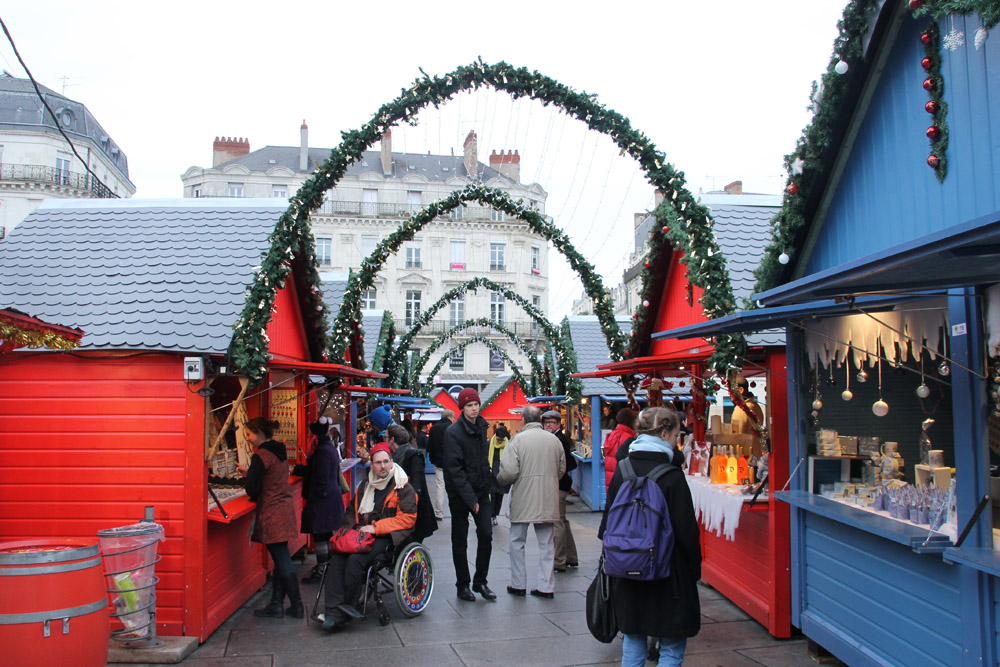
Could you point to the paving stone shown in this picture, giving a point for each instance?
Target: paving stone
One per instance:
(723, 611)
(718, 659)
(571, 622)
(310, 639)
(789, 653)
(409, 656)
(731, 635)
(547, 652)
(466, 630)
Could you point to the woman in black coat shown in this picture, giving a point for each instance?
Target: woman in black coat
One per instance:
(323, 510)
(667, 609)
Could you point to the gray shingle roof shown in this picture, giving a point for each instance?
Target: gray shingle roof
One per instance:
(21, 109)
(138, 274)
(487, 393)
(334, 286)
(742, 226)
(433, 167)
(371, 320)
(592, 349)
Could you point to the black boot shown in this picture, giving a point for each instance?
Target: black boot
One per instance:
(274, 608)
(317, 572)
(295, 608)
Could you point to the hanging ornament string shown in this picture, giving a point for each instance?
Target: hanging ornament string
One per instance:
(880, 408)
(847, 394)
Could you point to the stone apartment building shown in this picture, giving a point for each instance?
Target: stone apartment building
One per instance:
(375, 196)
(36, 161)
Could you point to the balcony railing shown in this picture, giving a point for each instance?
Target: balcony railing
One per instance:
(383, 210)
(437, 327)
(39, 173)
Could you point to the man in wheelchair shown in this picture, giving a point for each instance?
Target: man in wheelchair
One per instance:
(385, 505)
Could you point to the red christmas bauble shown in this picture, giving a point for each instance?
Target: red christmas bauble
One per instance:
(666, 230)
(793, 189)
(929, 83)
(916, 4)
(925, 38)
(933, 161)
(635, 316)
(647, 264)
(931, 107)
(933, 132)
(926, 63)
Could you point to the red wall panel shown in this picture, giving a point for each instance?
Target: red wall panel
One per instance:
(676, 311)
(286, 331)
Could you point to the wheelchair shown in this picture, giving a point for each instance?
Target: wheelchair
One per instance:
(411, 582)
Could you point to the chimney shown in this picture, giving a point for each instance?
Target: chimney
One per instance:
(734, 188)
(228, 148)
(387, 153)
(304, 147)
(472, 156)
(508, 164)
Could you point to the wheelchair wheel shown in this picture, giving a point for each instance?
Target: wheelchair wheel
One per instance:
(414, 579)
(383, 616)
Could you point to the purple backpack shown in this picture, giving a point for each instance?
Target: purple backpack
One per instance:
(638, 536)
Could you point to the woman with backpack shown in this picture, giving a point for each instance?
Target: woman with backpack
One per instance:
(669, 608)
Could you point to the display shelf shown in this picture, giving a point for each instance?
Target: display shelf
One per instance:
(897, 531)
(981, 558)
(235, 507)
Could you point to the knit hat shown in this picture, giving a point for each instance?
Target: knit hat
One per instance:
(320, 427)
(381, 417)
(552, 414)
(380, 447)
(467, 395)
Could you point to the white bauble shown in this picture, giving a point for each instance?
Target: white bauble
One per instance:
(817, 404)
(847, 394)
(923, 391)
(841, 67)
(880, 408)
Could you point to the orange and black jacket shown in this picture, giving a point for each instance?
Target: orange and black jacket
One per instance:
(396, 515)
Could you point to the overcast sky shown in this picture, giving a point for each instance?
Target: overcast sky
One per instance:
(720, 86)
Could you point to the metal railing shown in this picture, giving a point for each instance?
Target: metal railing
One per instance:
(40, 173)
(385, 210)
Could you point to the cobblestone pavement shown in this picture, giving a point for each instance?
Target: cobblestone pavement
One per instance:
(511, 631)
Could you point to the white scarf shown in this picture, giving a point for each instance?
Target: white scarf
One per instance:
(368, 498)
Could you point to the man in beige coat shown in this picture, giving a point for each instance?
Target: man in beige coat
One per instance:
(533, 461)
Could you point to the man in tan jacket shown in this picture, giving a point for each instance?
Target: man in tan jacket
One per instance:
(533, 461)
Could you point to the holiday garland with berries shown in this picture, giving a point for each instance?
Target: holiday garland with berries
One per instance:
(413, 373)
(805, 165)
(250, 346)
(13, 337)
(551, 333)
(425, 388)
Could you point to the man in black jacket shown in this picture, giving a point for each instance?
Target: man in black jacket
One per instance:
(435, 452)
(566, 555)
(469, 482)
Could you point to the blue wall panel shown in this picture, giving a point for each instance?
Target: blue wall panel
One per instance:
(888, 194)
(882, 602)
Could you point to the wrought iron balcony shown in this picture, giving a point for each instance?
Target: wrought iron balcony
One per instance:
(522, 329)
(39, 173)
(386, 210)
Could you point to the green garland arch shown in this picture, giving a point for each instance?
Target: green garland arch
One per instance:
(346, 323)
(418, 364)
(491, 345)
(503, 388)
(383, 349)
(551, 332)
(250, 349)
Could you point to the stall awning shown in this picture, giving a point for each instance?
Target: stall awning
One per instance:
(770, 318)
(328, 370)
(966, 254)
(388, 391)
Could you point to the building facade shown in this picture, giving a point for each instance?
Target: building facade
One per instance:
(36, 161)
(375, 196)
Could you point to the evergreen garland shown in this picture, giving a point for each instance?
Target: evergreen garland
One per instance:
(350, 310)
(806, 164)
(418, 364)
(937, 133)
(424, 389)
(988, 10)
(13, 337)
(383, 349)
(551, 333)
(571, 387)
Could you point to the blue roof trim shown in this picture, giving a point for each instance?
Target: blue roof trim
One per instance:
(770, 318)
(964, 254)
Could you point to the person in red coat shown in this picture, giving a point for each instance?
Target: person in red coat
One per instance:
(625, 430)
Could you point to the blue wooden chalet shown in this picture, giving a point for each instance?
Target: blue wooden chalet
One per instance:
(884, 262)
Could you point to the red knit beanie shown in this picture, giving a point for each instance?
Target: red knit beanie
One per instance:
(467, 395)
(380, 447)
